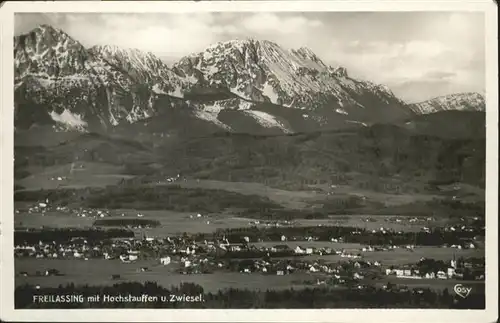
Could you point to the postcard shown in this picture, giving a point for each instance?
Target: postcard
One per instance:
(247, 161)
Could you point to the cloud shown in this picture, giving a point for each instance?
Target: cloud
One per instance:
(440, 75)
(272, 23)
(442, 66)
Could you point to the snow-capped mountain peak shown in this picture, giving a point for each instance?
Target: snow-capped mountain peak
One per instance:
(47, 51)
(468, 101)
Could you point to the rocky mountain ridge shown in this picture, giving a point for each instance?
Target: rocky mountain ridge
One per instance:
(469, 101)
(241, 86)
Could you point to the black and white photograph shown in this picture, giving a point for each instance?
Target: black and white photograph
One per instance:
(238, 159)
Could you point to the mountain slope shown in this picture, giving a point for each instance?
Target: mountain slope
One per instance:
(470, 101)
(291, 161)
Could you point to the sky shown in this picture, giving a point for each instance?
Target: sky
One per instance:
(419, 55)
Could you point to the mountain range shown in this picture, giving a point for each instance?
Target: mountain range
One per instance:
(243, 86)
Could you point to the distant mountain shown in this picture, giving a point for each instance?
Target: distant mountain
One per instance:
(470, 101)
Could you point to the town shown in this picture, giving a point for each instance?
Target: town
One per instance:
(328, 255)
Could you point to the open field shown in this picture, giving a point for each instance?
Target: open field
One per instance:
(98, 272)
(51, 219)
(171, 223)
(290, 199)
(377, 222)
(402, 256)
(73, 175)
(301, 199)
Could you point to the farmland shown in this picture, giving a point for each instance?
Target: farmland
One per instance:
(172, 222)
(73, 175)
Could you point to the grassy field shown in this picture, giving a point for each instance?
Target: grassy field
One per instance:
(377, 221)
(98, 272)
(51, 219)
(290, 199)
(73, 175)
(171, 223)
(402, 256)
(301, 199)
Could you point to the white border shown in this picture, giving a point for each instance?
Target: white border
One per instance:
(8, 313)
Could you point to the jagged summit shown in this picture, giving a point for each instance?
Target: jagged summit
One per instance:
(260, 70)
(117, 50)
(46, 28)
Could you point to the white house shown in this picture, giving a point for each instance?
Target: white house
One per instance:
(313, 269)
(441, 275)
(430, 275)
(299, 250)
(165, 260)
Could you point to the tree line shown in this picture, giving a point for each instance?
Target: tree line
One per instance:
(317, 297)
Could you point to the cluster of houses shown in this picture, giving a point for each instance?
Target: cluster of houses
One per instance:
(410, 220)
(171, 179)
(454, 271)
(59, 178)
(44, 207)
(271, 224)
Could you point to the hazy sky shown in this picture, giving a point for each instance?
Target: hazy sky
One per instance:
(418, 55)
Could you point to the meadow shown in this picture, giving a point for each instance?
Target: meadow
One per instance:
(173, 222)
(73, 176)
(99, 272)
(403, 256)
